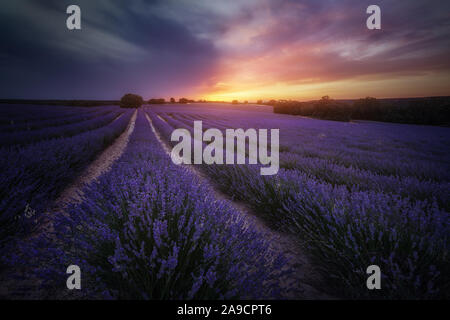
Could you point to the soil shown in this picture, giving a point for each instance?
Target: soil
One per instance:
(302, 282)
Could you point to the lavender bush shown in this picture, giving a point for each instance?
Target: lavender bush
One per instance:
(351, 202)
(149, 229)
(49, 132)
(34, 175)
(72, 115)
(352, 194)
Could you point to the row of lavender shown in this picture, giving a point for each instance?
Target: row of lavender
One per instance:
(354, 195)
(68, 129)
(149, 229)
(426, 179)
(34, 175)
(13, 115)
(384, 149)
(17, 120)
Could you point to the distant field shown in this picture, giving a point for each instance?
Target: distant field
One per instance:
(349, 194)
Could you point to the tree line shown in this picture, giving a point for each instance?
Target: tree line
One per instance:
(428, 111)
(130, 100)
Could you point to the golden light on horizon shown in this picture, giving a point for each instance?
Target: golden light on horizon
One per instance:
(377, 86)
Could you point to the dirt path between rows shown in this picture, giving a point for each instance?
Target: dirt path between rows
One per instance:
(302, 282)
(28, 288)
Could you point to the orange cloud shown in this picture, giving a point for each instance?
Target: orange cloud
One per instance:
(290, 53)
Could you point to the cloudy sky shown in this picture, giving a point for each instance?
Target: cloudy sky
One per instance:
(224, 49)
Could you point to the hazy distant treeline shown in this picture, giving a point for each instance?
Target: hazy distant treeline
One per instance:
(429, 111)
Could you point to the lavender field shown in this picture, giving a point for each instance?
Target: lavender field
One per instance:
(347, 195)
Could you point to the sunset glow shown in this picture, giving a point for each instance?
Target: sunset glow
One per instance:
(216, 50)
